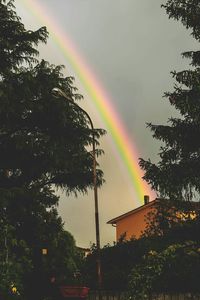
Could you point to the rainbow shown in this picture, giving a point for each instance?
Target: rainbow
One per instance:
(103, 104)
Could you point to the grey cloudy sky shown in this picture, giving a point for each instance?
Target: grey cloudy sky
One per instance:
(132, 46)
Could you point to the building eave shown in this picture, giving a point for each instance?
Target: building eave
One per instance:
(131, 212)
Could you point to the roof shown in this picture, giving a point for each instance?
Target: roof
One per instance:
(131, 212)
(194, 204)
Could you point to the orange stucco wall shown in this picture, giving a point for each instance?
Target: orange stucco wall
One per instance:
(132, 225)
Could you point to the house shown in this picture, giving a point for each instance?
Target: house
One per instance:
(132, 223)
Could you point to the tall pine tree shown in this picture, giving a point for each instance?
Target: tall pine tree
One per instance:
(177, 174)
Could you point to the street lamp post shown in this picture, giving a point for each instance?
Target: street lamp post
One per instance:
(56, 92)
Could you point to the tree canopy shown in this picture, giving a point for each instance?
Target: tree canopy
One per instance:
(44, 143)
(43, 140)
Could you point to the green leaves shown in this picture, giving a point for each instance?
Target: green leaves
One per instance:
(171, 270)
(187, 11)
(17, 45)
(44, 142)
(42, 139)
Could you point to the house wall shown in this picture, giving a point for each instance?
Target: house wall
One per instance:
(132, 225)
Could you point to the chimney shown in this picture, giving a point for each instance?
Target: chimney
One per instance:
(146, 199)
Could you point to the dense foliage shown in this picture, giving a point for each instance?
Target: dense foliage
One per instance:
(44, 142)
(174, 220)
(117, 262)
(172, 270)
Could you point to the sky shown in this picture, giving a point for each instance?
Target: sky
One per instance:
(131, 47)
